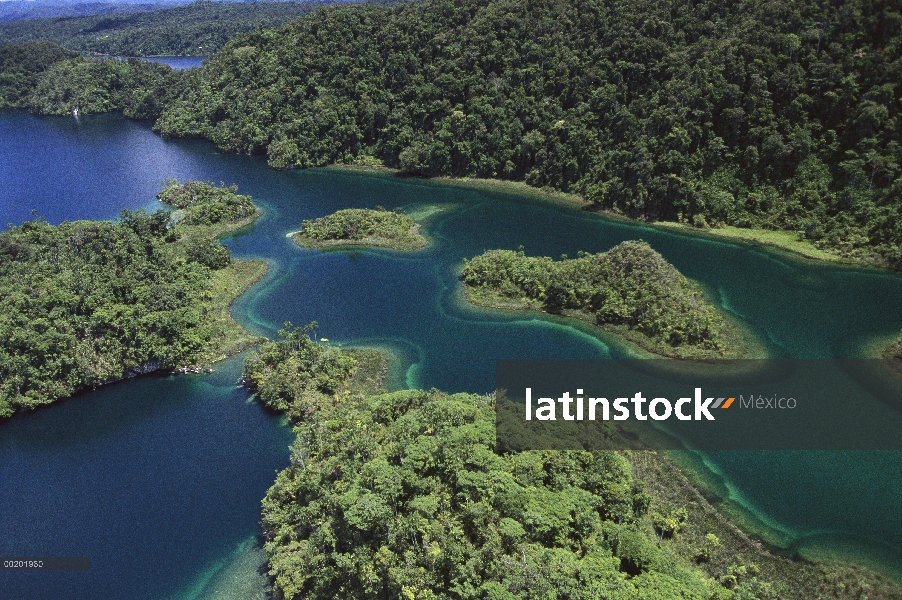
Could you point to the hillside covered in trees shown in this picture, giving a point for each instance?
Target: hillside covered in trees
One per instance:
(197, 29)
(48, 80)
(769, 115)
(27, 10)
(87, 302)
(21, 66)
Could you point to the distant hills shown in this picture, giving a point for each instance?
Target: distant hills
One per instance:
(26, 10)
(144, 29)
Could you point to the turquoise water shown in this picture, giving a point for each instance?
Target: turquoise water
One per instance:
(815, 503)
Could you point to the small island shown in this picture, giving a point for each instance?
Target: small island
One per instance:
(629, 290)
(202, 203)
(86, 303)
(362, 227)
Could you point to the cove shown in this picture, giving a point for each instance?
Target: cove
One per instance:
(846, 505)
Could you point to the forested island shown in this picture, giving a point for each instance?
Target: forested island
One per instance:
(89, 302)
(203, 203)
(629, 290)
(401, 494)
(362, 227)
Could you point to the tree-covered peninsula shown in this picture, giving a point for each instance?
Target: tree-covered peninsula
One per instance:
(402, 495)
(88, 302)
(765, 115)
(362, 227)
(136, 88)
(48, 80)
(629, 290)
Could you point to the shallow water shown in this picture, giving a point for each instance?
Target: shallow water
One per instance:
(818, 503)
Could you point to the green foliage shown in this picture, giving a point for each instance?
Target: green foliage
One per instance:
(766, 115)
(709, 547)
(205, 203)
(362, 226)
(631, 285)
(138, 88)
(210, 254)
(401, 495)
(895, 350)
(295, 373)
(86, 302)
(198, 29)
(20, 66)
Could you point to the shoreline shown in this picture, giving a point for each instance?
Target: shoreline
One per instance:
(780, 239)
(667, 482)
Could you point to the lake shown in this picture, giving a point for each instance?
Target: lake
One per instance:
(159, 479)
(179, 62)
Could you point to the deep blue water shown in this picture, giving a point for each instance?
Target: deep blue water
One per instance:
(849, 503)
(153, 479)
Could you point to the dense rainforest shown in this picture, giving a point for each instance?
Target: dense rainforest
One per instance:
(197, 29)
(27, 10)
(630, 288)
(137, 88)
(363, 227)
(87, 302)
(402, 495)
(769, 115)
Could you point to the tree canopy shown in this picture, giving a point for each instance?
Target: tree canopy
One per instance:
(203, 203)
(20, 66)
(198, 29)
(137, 88)
(401, 495)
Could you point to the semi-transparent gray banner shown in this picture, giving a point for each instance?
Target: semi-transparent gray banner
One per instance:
(710, 405)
